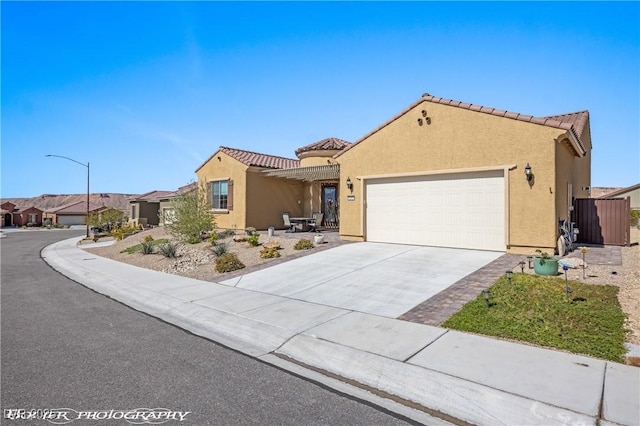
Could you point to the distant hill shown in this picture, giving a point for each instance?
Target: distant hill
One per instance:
(48, 202)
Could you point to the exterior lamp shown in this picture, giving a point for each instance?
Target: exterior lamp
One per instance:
(87, 166)
(528, 174)
(509, 273)
(565, 268)
(349, 184)
(486, 292)
(583, 250)
(530, 260)
(522, 266)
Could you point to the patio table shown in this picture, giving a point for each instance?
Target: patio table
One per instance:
(302, 220)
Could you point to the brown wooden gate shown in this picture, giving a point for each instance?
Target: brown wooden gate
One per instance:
(603, 220)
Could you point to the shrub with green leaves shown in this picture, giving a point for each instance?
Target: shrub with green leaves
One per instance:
(191, 216)
(148, 238)
(635, 217)
(169, 249)
(220, 248)
(303, 244)
(214, 237)
(269, 253)
(228, 262)
(147, 247)
(253, 239)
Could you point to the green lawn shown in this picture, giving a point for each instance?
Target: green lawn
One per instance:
(535, 309)
(138, 247)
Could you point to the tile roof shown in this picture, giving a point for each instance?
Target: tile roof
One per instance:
(260, 160)
(151, 196)
(79, 207)
(324, 144)
(574, 123)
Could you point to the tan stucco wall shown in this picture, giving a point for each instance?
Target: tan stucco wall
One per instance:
(221, 167)
(268, 198)
(317, 158)
(461, 139)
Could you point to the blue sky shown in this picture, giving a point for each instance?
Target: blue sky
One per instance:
(148, 91)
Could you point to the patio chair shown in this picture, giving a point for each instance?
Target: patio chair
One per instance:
(315, 224)
(287, 222)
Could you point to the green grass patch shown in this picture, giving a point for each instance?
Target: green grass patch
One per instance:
(535, 309)
(138, 247)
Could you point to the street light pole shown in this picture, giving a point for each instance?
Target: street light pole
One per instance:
(87, 166)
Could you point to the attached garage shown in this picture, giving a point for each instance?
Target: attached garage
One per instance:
(461, 210)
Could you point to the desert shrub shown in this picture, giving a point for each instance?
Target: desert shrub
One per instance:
(228, 262)
(228, 233)
(635, 217)
(303, 244)
(148, 238)
(147, 247)
(193, 240)
(191, 217)
(250, 230)
(253, 239)
(119, 232)
(220, 248)
(214, 237)
(269, 253)
(168, 249)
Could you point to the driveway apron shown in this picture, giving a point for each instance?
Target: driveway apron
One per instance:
(375, 278)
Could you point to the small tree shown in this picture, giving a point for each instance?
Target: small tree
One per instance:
(107, 217)
(191, 216)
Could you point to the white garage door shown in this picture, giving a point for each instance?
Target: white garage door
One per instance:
(71, 220)
(463, 210)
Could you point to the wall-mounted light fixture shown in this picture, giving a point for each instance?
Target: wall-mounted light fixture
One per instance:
(349, 184)
(528, 174)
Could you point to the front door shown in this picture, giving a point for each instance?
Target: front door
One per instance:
(7, 219)
(330, 205)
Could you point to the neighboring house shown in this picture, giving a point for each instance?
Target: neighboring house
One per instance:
(246, 188)
(74, 213)
(440, 173)
(166, 207)
(632, 192)
(145, 209)
(20, 216)
(7, 213)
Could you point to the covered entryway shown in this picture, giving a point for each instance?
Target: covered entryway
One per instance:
(460, 210)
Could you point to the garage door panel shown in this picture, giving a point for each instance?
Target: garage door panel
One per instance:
(462, 210)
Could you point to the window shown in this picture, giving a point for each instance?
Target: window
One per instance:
(133, 211)
(220, 195)
(33, 217)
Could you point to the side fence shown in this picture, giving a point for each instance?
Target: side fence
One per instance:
(603, 220)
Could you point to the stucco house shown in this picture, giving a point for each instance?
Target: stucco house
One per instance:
(633, 192)
(166, 206)
(145, 209)
(246, 188)
(20, 216)
(440, 173)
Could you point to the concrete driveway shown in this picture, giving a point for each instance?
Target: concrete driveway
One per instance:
(375, 278)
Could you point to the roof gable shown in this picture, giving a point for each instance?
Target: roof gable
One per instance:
(573, 123)
(325, 145)
(151, 196)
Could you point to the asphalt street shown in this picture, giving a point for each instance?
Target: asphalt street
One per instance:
(65, 346)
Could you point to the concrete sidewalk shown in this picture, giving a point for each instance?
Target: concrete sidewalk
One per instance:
(453, 375)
